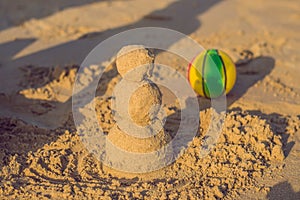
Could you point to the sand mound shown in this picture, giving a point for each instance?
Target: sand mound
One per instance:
(43, 96)
(52, 84)
(144, 104)
(247, 149)
(135, 59)
(138, 145)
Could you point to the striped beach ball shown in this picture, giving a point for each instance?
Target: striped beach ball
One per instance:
(212, 73)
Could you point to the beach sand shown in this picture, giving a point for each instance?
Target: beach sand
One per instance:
(42, 46)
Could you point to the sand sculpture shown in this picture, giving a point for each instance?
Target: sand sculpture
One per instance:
(135, 63)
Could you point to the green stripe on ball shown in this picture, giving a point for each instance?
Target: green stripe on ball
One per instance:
(214, 76)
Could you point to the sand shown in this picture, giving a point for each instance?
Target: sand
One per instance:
(135, 62)
(256, 155)
(144, 104)
(66, 169)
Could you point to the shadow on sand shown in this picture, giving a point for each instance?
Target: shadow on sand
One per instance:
(33, 9)
(283, 190)
(179, 15)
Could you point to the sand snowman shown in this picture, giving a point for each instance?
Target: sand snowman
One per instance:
(137, 108)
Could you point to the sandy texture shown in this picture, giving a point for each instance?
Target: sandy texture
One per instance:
(144, 104)
(70, 171)
(137, 60)
(42, 46)
(140, 145)
(135, 63)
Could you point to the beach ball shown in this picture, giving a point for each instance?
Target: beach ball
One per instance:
(212, 73)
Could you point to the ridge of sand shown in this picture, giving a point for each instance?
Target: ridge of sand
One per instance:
(55, 159)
